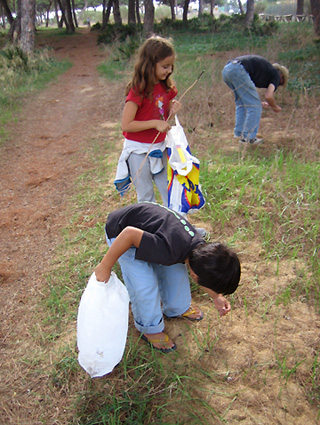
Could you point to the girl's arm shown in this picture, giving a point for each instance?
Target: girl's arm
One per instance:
(130, 236)
(130, 125)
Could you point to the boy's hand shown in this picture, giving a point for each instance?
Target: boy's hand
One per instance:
(222, 305)
(102, 274)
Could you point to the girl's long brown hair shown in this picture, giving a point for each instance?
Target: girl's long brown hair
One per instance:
(152, 51)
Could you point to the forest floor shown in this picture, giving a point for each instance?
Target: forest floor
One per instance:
(38, 168)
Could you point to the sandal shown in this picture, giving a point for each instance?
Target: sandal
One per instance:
(155, 340)
(192, 310)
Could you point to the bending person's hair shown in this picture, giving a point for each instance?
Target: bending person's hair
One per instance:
(217, 267)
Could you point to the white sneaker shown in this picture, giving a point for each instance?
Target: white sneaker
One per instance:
(255, 141)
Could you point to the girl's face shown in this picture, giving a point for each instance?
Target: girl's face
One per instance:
(164, 68)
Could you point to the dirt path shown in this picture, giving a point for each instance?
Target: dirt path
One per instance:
(38, 168)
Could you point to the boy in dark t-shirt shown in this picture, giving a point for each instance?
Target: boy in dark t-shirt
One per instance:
(155, 247)
(243, 75)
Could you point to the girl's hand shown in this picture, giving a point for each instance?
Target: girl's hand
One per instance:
(162, 126)
(175, 108)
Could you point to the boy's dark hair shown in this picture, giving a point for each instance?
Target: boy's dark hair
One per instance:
(217, 267)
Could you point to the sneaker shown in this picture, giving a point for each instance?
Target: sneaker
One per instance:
(256, 141)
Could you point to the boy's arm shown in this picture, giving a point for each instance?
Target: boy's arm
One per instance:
(221, 303)
(130, 236)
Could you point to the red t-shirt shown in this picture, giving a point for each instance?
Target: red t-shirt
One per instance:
(154, 108)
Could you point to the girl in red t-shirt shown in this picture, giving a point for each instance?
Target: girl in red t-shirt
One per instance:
(149, 105)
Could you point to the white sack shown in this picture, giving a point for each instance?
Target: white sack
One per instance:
(102, 325)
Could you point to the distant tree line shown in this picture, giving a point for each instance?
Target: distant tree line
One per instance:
(21, 14)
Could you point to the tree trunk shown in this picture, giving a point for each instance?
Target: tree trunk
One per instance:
(185, 10)
(200, 8)
(47, 13)
(6, 10)
(83, 9)
(172, 8)
(68, 16)
(250, 12)
(138, 12)
(212, 5)
(240, 7)
(106, 13)
(148, 18)
(116, 12)
(27, 37)
(74, 14)
(131, 12)
(300, 7)
(315, 10)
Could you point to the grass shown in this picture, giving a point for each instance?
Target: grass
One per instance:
(263, 202)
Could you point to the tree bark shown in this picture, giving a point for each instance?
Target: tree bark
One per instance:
(240, 7)
(74, 14)
(83, 10)
(250, 12)
(315, 10)
(68, 16)
(185, 10)
(138, 12)
(106, 13)
(148, 18)
(300, 7)
(200, 8)
(116, 12)
(212, 5)
(173, 11)
(7, 12)
(27, 37)
(131, 12)
(47, 13)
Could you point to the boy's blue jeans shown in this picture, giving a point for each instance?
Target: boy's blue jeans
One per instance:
(248, 103)
(154, 289)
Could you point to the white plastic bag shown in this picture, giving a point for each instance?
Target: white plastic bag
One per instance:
(102, 325)
(183, 173)
(180, 158)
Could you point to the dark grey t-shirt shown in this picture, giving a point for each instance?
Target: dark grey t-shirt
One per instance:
(261, 71)
(168, 238)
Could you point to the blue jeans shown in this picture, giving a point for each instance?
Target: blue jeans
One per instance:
(248, 103)
(154, 289)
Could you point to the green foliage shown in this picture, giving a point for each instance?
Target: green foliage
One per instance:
(115, 32)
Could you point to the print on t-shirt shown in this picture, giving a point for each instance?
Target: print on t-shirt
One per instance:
(160, 106)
